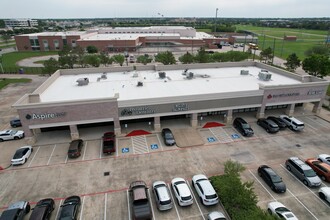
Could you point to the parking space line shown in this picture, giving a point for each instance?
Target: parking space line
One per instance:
(33, 157)
(132, 145)
(304, 185)
(192, 193)
(66, 159)
(320, 124)
(105, 205)
(160, 143)
(152, 209)
(82, 208)
(262, 185)
(85, 150)
(58, 210)
(128, 206)
(315, 129)
(116, 147)
(145, 140)
(301, 203)
(174, 203)
(51, 154)
(100, 149)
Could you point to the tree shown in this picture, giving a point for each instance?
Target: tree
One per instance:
(92, 60)
(51, 65)
(91, 49)
(104, 58)
(318, 49)
(186, 58)
(317, 65)
(165, 58)
(67, 58)
(144, 59)
(119, 58)
(266, 54)
(6, 38)
(202, 56)
(292, 62)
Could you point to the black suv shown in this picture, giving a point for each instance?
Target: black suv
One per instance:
(281, 124)
(70, 207)
(268, 125)
(272, 179)
(15, 123)
(243, 127)
(75, 148)
(43, 209)
(168, 137)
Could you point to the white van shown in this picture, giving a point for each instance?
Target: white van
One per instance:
(293, 123)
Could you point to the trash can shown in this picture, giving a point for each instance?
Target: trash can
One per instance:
(21, 71)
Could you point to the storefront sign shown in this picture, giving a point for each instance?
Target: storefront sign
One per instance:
(137, 111)
(282, 95)
(180, 107)
(45, 116)
(315, 92)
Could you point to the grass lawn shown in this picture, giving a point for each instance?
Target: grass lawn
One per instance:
(2, 46)
(207, 30)
(9, 60)
(5, 81)
(305, 39)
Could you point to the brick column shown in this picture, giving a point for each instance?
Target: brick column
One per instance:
(74, 132)
(261, 112)
(290, 109)
(317, 107)
(194, 120)
(117, 127)
(157, 125)
(229, 116)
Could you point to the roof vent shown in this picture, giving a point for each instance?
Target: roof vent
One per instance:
(104, 75)
(264, 75)
(140, 84)
(162, 75)
(82, 81)
(244, 72)
(190, 75)
(135, 75)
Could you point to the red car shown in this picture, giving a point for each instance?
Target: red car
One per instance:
(322, 169)
(109, 143)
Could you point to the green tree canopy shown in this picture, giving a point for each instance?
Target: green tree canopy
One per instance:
(186, 58)
(318, 49)
(119, 58)
(292, 62)
(317, 65)
(91, 49)
(144, 59)
(165, 58)
(50, 66)
(266, 55)
(202, 56)
(92, 60)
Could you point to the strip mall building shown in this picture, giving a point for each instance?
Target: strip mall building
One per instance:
(120, 95)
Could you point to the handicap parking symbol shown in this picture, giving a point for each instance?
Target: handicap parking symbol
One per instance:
(154, 146)
(235, 136)
(125, 150)
(211, 139)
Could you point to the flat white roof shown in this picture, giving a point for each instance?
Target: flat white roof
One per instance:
(126, 36)
(221, 80)
(67, 33)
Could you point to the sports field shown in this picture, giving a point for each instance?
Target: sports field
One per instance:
(273, 37)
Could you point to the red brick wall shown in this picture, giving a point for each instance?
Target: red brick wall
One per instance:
(50, 40)
(22, 43)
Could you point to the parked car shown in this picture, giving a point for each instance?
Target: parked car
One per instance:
(303, 172)
(43, 209)
(16, 211)
(215, 215)
(273, 180)
(325, 158)
(182, 192)
(324, 193)
(168, 136)
(293, 123)
(205, 190)
(11, 135)
(139, 199)
(21, 155)
(281, 124)
(268, 125)
(243, 127)
(69, 208)
(16, 122)
(162, 196)
(109, 143)
(75, 148)
(278, 209)
(321, 169)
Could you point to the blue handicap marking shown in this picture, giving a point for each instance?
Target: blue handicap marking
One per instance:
(235, 136)
(154, 146)
(211, 139)
(125, 150)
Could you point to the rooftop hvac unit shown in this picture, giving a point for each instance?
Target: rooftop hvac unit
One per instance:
(244, 72)
(82, 81)
(162, 75)
(140, 83)
(264, 75)
(190, 75)
(104, 76)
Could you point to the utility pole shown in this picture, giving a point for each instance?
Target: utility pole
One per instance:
(215, 21)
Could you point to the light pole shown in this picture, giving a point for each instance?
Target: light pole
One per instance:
(215, 21)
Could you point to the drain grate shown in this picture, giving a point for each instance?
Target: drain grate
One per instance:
(298, 145)
(106, 173)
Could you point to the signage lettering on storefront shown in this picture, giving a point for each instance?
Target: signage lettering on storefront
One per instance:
(283, 95)
(45, 116)
(137, 111)
(180, 107)
(315, 92)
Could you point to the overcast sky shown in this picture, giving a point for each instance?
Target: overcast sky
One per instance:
(166, 8)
